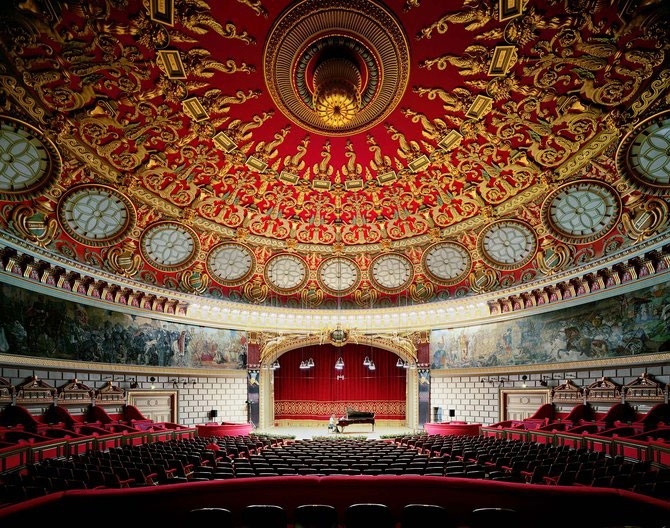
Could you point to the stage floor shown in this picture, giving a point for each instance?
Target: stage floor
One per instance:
(355, 430)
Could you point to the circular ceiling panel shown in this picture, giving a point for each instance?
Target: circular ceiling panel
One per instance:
(644, 154)
(338, 276)
(28, 160)
(169, 245)
(507, 244)
(96, 215)
(447, 262)
(231, 264)
(286, 273)
(391, 273)
(582, 211)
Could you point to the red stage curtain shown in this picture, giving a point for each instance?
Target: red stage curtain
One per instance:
(317, 393)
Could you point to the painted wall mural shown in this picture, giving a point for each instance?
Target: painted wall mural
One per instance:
(32, 324)
(630, 324)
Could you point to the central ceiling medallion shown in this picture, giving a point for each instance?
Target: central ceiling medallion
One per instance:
(336, 67)
(337, 91)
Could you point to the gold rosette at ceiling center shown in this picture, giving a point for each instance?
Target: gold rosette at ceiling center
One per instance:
(337, 95)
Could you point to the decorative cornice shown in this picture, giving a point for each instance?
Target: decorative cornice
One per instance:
(33, 268)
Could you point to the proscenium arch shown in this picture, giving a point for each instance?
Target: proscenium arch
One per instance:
(274, 347)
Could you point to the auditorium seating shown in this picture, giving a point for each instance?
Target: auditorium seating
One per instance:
(546, 506)
(43, 470)
(192, 460)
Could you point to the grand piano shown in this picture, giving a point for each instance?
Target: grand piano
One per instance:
(356, 417)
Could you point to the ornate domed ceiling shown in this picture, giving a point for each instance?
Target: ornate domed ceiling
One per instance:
(333, 153)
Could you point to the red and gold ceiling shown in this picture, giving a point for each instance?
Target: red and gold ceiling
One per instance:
(336, 153)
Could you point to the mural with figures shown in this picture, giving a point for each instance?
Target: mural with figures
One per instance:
(630, 324)
(33, 324)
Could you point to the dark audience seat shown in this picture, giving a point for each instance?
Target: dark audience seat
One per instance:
(490, 516)
(367, 515)
(215, 517)
(264, 516)
(315, 516)
(418, 515)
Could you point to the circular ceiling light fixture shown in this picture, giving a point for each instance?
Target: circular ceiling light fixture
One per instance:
(337, 91)
(336, 67)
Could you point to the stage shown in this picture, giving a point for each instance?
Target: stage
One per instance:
(302, 432)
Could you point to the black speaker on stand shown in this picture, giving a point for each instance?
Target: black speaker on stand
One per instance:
(452, 413)
(249, 420)
(213, 414)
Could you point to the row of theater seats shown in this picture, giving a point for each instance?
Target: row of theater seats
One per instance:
(358, 515)
(156, 463)
(198, 459)
(538, 463)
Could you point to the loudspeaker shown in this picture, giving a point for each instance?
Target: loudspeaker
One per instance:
(213, 413)
(452, 413)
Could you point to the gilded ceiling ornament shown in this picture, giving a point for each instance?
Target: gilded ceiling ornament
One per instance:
(477, 15)
(482, 279)
(257, 7)
(553, 257)
(124, 260)
(196, 18)
(255, 291)
(194, 280)
(311, 297)
(164, 183)
(432, 129)
(455, 101)
(525, 29)
(240, 131)
(474, 60)
(123, 145)
(351, 169)
(365, 296)
(409, 4)
(35, 224)
(266, 151)
(420, 290)
(645, 217)
(407, 149)
(198, 65)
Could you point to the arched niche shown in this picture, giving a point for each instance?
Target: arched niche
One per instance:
(273, 346)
